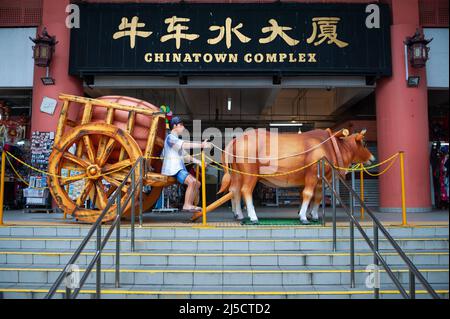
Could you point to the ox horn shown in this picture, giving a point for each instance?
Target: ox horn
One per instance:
(342, 133)
(363, 131)
(359, 137)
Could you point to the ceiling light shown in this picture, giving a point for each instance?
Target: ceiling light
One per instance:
(286, 124)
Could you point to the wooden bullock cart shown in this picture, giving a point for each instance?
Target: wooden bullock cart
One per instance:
(97, 141)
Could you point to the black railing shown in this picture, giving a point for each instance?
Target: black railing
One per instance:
(100, 244)
(321, 170)
(377, 227)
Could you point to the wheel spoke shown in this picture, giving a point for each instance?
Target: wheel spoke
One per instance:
(79, 150)
(116, 166)
(116, 183)
(120, 176)
(75, 159)
(103, 157)
(72, 179)
(101, 146)
(111, 190)
(89, 148)
(87, 189)
(122, 154)
(101, 196)
(93, 196)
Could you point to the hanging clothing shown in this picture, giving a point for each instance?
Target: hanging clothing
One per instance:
(443, 179)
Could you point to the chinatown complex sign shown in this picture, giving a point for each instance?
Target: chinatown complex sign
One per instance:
(278, 38)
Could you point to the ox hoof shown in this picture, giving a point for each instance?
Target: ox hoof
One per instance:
(254, 222)
(304, 222)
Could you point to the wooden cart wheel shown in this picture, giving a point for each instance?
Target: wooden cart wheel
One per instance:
(100, 165)
(151, 198)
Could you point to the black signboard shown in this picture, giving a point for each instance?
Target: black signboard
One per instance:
(277, 38)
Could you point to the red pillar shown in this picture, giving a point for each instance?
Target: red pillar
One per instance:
(402, 119)
(53, 18)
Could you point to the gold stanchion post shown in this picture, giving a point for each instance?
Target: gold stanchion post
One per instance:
(2, 185)
(197, 173)
(402, 178)
(361, 189)
(203, 189)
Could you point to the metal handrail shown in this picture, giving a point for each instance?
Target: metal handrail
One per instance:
(377, 226)
(97, 227)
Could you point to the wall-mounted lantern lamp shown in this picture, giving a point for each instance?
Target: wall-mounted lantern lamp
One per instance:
(43, 51)
(416, 51)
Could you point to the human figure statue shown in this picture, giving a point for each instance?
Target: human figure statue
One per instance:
(173, 164)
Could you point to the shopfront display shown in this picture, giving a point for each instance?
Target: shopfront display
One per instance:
(247, 65)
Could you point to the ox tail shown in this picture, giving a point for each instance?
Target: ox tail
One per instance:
(226, 179)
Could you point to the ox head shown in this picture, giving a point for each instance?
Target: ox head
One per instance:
(360, 152)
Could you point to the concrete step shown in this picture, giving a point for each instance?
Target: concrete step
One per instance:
(240, 276)
(215, 258)
(194, 232)
(254, 244)
(38, 291)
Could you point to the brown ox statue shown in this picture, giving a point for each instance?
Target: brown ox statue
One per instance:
(253, 153)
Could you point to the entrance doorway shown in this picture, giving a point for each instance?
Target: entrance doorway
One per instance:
(229, 105)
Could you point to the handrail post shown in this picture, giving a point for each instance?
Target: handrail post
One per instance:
(117, 273)
(376, 289)
(352, 235)
(99, 264)
(203, 189)
(319, 178)
(2, 184)
(68, 289)
(412, 285)
(141, 191)
(402, 180)
(133, 207)
(323, 192)
(333, 203)
(361, 190)
(68, 293)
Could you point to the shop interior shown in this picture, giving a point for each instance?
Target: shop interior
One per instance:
(438, 109)
(294, 110)
(15, 116)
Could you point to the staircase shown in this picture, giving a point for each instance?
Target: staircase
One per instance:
(223, 262)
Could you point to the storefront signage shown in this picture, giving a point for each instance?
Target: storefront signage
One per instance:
(280, 38)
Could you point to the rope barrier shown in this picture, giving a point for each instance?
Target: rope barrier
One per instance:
(276, 158)
(20, 176)
(75, 178)
(357, 167)
(262, 175)
(382, 172)
(219, 166)
(162, 157)
(368, 167)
